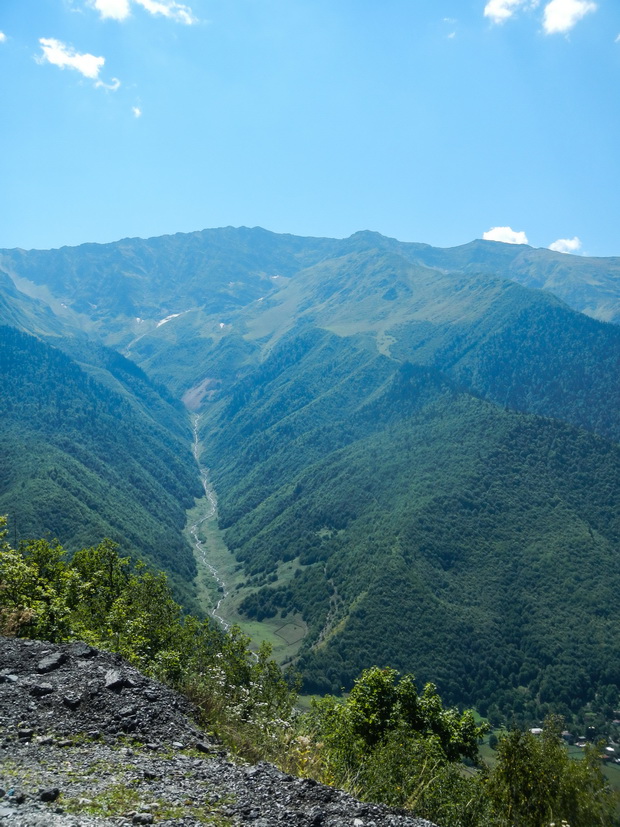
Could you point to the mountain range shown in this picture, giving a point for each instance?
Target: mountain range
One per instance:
(415, 449)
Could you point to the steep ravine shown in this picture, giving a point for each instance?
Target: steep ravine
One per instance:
(206, 510)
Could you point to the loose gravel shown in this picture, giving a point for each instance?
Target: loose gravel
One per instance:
(87, 740)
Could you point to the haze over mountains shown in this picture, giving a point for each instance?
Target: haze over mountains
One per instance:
(415, 449)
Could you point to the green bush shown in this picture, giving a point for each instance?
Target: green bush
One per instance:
(388, 742)
(535, 783)
(102, 598)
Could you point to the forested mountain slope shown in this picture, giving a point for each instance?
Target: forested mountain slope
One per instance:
(81, 462)
(434, 531)
(519, 347)
(425, 435)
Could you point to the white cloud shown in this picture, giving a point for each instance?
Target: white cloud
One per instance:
(502, 10)
(561, 15)
(111, 87)
(505, 234)
(566, 245)
(121, 9)
(137, 112)
(2, 37)
(169, 8)
(64, 56)
(115, 9)
(617, 40)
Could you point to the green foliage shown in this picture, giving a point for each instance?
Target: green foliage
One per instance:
(102, 598)
(387, 740)
(421, 516)
(37, 590)
(535, 783)
(386, 743)
(82, 457)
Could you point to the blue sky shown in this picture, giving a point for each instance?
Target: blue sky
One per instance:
(426, 120)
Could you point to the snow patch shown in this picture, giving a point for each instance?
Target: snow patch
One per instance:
(171, 316)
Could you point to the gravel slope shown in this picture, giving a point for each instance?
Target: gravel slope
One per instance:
(81, 731)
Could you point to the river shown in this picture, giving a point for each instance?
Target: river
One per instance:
(209, 514)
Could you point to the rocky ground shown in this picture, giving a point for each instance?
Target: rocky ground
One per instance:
(86, 739)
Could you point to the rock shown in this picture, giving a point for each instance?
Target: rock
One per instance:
(72, 701)
(50, 794)
(38, 690)
(82, 650)
(316, 817)
(6, 812)
(126, 711)
(143, 818)
(51, 662)
(114, 681)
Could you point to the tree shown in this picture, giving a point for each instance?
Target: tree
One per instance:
(388, 742)
(535, 783)
(37, 589)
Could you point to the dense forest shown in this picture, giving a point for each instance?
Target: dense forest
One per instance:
(80, 461)
(431, 528)
(415, 450)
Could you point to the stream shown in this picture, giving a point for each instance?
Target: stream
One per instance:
(211, 513)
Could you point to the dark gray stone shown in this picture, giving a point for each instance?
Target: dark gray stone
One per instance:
(82, 650)
(143, 818)
(38, 690)
(72, 701)
(51, 662)
(126, 711)
(115, 681)
(50, 794)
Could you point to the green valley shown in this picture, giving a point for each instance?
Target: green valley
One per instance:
(415, 451)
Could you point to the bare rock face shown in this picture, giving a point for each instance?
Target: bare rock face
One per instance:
(74, 689)
(86, 739)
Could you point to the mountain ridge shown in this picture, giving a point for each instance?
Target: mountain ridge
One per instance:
(394, 431)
